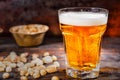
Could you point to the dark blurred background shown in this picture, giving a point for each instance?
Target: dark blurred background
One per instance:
(18, 12)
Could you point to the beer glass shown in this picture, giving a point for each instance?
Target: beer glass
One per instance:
(82, 29)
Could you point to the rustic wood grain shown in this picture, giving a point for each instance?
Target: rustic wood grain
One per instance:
(110, 57)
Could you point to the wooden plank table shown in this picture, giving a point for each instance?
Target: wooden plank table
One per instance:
(110, 57)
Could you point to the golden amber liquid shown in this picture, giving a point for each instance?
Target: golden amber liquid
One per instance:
(82, 45)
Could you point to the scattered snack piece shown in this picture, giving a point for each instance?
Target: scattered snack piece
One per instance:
(36, 75)
(27, 74)
(34, 67)
(37, 61)
(47, 59)
(24, 54)
(2, 65)
(54, 58)
(20, 64)
(23, 59)
(40, 67)
(8, 69)
(1, 58)
(43, 72)
(6, 63)
(30, 71)
(2, 69)
(13, 65)
(56, 63)
(23, 78)
(29, 65)
(34, 56)
(46, 54)
(5, 75)
(23, 72)
(13, 56)
(55, 78)
(51, 69)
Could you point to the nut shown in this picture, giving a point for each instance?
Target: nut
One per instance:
(20, 64)
(46, 54)
(56, 63)
(23, 78)
(13, 65)
(54, 58)
(8, 69)
(24, 54)
(55, 78)
(23, 72)
(5, 75)
(30, 71)
(2, 69)
(51, 69)
(36, 75)
(42, 67)
(29, 65)
(47, 59)
(34, 68)
(6, 63)
(2, 65)
(23, 59)
(43, 72)
(27, 74)
(34, 56)
(13, 56)
(37, 61)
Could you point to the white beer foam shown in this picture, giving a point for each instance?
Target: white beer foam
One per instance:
(83, 18)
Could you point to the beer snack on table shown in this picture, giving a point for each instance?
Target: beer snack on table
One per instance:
(29, 35)
(34, 67)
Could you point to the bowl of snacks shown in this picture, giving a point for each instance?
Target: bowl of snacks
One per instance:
(29, 35)
(1, 30)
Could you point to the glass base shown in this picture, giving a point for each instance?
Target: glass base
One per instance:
(90, 74)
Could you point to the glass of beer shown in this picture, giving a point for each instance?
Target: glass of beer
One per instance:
(82, 29)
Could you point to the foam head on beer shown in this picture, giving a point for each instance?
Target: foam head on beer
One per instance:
(83, 18)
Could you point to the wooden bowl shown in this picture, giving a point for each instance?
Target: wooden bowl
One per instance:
(1, 30)
(29, 35)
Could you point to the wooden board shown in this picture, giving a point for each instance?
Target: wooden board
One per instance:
(110, 58)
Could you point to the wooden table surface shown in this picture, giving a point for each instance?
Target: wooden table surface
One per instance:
(110, 56)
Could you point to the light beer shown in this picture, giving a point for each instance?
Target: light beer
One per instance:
(82, 32)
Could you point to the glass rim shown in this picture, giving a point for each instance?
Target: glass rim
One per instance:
(92, 8)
